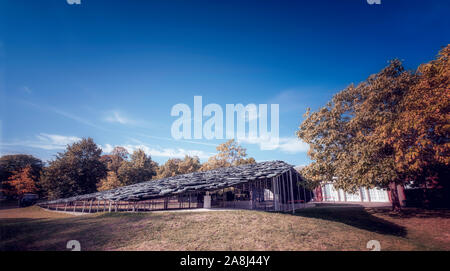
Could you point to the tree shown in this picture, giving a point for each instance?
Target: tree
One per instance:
(344, 136)
(189, 164)
(75, 171)
(110, 182)
(176, 166)
(114, 160)
(420, 135)
(11, 164)
(229, 154)
(141, 168)
(22, 182)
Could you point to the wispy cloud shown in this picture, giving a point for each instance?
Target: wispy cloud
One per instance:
(176, 140)
(290, 100)
(64, 114)
(284, 144)
(45, 141)
(118, 117)
(26, 89)
(160, 152)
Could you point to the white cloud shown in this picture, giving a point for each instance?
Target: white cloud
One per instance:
(58, 139)
(284, 144)
(46, 142)
(291, 100)
(64, 114)
(26, 89)
(117, 117)
(160, 152)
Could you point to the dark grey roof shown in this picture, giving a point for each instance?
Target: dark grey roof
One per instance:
(198, 181)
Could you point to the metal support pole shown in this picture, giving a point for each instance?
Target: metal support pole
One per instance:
(283, 198)
(292, 192)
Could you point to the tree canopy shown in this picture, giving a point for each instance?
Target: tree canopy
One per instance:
(140, 168)
(229, 154)
(16, 162)
(420, 136)
(75, 171)
(13, 164)
(21, 182)
(379, 132)
(176, 166)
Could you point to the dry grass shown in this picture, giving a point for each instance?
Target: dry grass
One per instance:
(310, 229)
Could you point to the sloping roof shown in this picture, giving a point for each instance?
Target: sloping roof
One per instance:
(198, 181)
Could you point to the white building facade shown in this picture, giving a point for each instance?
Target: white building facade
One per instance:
(328, 193)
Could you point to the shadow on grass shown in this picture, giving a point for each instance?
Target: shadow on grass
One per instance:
(93, 232)
(355, 216)
(415, 213)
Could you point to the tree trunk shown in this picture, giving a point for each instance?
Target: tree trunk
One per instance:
(394, 197)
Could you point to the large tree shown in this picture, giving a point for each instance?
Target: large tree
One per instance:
(392, 129)
(110, 182)
(11, 164)
(75, 171)
(345, 145)
(21, 182)
(420, 135)
(140, 168)
(113, 162)
(228, 154)
(176, 166)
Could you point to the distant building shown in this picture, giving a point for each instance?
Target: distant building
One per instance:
(328, 193)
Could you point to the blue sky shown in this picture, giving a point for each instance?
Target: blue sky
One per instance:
(112, 70)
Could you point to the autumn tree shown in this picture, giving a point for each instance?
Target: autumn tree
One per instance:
(110, 182)
(344, 140)
(140, 168)
(229, 154)
(420, 135)
(75, 171)
(22, 182)
(176, 166)
(113, 161)
(11, 164)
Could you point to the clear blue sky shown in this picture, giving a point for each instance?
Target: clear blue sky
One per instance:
(112, 70)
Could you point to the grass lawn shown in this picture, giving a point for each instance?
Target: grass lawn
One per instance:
(320, 228)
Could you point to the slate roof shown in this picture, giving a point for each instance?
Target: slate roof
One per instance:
(198, 181)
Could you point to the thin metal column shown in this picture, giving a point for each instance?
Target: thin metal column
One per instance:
(292, 192)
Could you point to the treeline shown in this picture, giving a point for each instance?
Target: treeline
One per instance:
(82, 169)
(392, 129)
